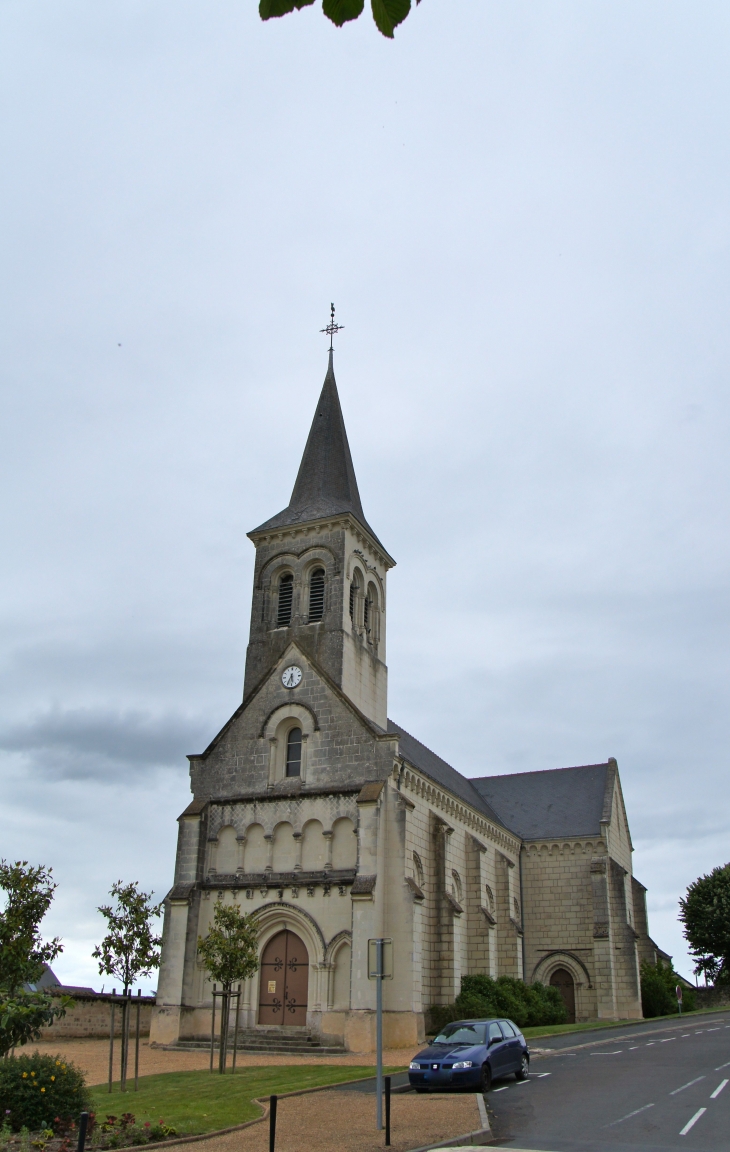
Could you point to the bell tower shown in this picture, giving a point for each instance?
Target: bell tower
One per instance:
(320, 574)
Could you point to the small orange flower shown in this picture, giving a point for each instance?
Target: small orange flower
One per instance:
(53, 1077)
(42, 1089)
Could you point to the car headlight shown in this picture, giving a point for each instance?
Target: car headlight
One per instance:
(414, 1066)
(460, 1065)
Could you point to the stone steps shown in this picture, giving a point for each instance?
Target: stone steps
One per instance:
(268, 1043)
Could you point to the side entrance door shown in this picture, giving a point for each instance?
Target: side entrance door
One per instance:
(284, 981)
(563, 981)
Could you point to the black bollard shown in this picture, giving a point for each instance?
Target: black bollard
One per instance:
(387, 1111)
(272, 1123)
(83, 1124)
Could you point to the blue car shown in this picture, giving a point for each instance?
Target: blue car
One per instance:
(470, 1054)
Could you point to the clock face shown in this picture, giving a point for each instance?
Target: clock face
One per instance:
(291, 676)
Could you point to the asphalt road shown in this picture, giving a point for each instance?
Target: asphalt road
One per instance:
(648, 1086)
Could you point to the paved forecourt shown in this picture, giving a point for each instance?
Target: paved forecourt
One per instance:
(650, 1086)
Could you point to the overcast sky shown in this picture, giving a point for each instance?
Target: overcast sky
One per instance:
(522, 212)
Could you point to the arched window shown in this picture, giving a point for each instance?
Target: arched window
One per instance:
(316, 595)
(354, 590)
(370, 614)
(294, 752)
(286, 595)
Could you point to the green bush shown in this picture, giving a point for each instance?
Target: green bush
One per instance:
(658, 990)
(41, 1092)
(529, 1005)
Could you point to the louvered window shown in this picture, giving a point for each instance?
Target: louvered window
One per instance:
(316, 595)
(353, 592)
(367, 612)
(286, 593)
(294, 752)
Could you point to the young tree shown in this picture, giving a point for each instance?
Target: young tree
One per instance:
(130, 949)
(387, 14)
(28, 893)
(705, 913)
(229, 953)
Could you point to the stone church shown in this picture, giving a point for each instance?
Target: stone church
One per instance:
(333, 825)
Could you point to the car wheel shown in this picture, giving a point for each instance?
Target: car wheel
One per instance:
(524, 1070)
(486, 1078)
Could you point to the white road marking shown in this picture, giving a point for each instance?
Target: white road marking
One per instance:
(688, 1085)
(616, 1053)
(694, 1120)
(718, 1090)
(668, 1040)
(686, 1034)
(521, 1083)
(501, 1089)
(636, 1113)
(541, 1074)
(712, 1029)
(723, 1066)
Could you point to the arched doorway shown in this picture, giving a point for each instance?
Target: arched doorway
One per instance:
(563, 981)
(284, 981)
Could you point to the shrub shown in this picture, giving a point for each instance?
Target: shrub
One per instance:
(41, 1092)
(529, 1005)
(658, 995)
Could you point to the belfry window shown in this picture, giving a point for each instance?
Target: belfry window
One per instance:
(354, 593)
(286, 595)
(294, 752)
(367, 611)
(316, 595)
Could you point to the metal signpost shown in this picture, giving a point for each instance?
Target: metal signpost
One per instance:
(678, 990)
(380, 967)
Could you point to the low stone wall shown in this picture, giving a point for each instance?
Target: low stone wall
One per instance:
(91, 1016)
(713, 997)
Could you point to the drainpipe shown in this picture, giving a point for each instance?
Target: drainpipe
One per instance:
(522, 918)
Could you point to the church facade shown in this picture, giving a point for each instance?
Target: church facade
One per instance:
(334, 826)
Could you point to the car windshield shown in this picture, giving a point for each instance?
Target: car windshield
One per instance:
(461, 1034)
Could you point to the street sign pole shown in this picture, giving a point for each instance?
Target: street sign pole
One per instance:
(379, 1030)
(678, 990)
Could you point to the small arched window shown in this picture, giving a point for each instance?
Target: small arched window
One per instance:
(294, 752)
(370, 614)
(316, 595)
(286, 595)
(354, 590)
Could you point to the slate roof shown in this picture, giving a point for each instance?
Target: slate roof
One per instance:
(551, 804)
(326, 483)
(534, 805)
(441, 773)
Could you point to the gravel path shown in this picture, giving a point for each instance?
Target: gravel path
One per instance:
(93, 1057)
(345, 1122)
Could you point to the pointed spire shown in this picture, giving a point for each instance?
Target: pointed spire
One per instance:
(326, 483)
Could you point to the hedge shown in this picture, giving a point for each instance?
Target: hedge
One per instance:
(529, 1005)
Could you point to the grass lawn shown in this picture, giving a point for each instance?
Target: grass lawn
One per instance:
(195, 1102)
(592, 1025)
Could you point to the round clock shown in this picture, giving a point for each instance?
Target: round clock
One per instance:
(291, 676)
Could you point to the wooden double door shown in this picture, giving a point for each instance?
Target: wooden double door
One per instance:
(284, 981)
(563, 981)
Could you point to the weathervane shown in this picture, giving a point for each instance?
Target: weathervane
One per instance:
(332, 327)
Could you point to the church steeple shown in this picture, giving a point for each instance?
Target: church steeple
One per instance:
(320, 571)
(326, 484)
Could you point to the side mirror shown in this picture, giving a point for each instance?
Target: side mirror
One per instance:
(494, 1040)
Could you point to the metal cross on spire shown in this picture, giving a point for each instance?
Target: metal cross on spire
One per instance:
(332, 327)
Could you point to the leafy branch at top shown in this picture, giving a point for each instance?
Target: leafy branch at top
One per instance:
(130, 949)
(230, 950)
(387, 14)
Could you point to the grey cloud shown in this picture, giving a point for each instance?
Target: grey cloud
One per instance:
(95, 743)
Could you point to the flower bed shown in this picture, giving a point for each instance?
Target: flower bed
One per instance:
(112, 1132)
